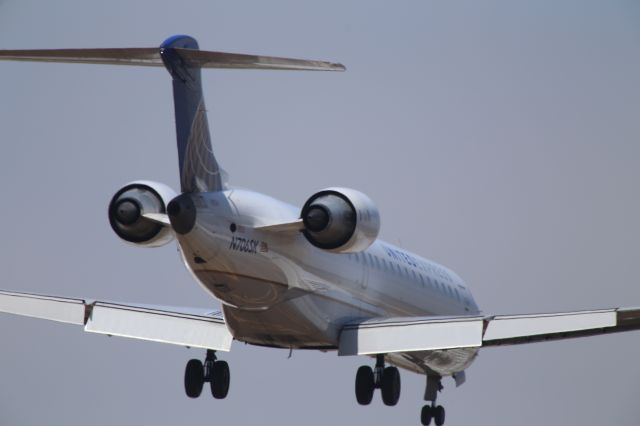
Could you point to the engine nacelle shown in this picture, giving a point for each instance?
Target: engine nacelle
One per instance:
(128, 206)
(340, 220)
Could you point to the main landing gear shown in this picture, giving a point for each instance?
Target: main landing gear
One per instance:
(213, 371)
(431, 411)
(387, 379)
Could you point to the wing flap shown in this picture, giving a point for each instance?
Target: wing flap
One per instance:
(159, 326)
(179, 326)
(410, 334)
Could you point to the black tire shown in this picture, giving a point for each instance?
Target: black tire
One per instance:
(425, 415)
(390, 386)
(220, 379)
(364, 385)
(438, 415)
(194, 378)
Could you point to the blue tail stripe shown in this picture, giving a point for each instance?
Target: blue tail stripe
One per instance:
(199, 171)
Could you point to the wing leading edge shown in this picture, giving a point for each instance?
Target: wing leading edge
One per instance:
(179, 326)
(408, 334)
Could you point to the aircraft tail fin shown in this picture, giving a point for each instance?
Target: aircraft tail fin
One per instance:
(180, 55)
(199, 170)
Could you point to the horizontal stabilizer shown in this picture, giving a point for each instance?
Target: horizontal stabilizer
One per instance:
(151, 57)
(175, 325)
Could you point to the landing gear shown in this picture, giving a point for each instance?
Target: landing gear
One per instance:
(390, 386)
(213, 371)
(426, 415)
(220, 378)
(431, 411)
(365, 385)
(387, 379)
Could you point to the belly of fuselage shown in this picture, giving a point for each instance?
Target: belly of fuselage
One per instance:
(270, 313)
(274, 295)
(262, 302)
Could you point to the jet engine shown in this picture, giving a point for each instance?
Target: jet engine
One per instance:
(341, 220)
(128, 207)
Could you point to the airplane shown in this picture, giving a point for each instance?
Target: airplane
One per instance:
(314, 277)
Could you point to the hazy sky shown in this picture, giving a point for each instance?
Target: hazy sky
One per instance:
(499, 138)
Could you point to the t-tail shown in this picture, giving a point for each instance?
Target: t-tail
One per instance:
(180, 55)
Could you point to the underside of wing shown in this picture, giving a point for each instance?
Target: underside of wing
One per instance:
(408, 334)
(175, 325)
(518, 329)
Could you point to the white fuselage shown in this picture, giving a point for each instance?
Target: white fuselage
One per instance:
(279, 290)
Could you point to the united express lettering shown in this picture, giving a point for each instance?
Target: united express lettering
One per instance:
(402, 257)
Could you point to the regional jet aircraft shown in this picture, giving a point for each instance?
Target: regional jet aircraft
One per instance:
(315, 277)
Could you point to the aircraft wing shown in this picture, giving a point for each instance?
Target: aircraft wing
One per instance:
(191, 327)
(407, 334)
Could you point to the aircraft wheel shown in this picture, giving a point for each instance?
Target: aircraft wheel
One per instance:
(425, 415)
(438, 415)
(364, 385)
(390, 386)
(220, 379)
(194, 378)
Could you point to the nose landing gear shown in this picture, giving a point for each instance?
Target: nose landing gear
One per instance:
(432, 411)
(387, 379)
(213, 371)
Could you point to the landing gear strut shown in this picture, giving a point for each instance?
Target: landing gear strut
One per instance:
(213, 371)
(387, 379)
(431, 411)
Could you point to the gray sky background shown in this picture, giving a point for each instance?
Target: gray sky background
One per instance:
(499, 138)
